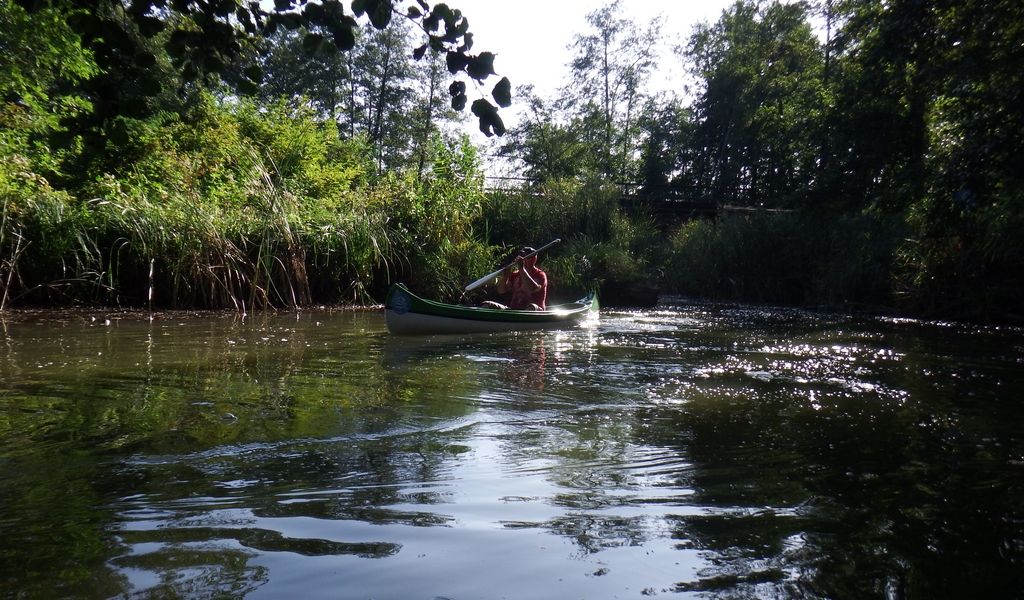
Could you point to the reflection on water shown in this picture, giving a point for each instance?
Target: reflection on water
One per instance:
(692, 451)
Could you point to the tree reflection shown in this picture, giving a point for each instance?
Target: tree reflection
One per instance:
(856, 502)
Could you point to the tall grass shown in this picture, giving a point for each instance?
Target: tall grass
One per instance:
(965, 261)
(246, 209)
(600, 243)
(784, 258)
(46, 249)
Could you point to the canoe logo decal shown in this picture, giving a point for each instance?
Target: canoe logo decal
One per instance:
(400, 304)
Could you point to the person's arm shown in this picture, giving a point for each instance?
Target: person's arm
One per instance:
(505, 280)
(529, 283)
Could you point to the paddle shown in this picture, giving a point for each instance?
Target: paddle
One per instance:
(490, 276)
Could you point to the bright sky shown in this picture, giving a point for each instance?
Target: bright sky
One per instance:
(530, 38)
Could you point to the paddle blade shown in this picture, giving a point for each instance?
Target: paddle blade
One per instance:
(483, 280)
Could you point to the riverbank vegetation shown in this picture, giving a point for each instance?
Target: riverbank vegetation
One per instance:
(860, 155)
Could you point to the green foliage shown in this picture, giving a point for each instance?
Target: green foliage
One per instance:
(436, 220)
(761, 68)
(242, 206)
(545, 149)
(38, 50)
(600, 243)
(963, 258)
(132, 173)
(25, 200)
(783, 258)
(207, 42)
(610, 68)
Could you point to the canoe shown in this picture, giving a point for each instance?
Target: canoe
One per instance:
(408, 314)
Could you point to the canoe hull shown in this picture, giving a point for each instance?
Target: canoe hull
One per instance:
(407, 314)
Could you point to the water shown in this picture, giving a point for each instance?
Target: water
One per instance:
(687, 451)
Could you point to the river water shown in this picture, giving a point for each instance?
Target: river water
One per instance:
(685, 451)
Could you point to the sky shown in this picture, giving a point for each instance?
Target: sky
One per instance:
(530, 39)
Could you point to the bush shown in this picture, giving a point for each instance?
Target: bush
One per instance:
(784, 258)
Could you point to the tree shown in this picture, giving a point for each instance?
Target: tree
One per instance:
(928, 96)
(375, 91)
(323, 80)
(547, 149)
(35, 54)
(667, 129)
(221, 37)
(610, 69)
(760, 66)
(430, 108)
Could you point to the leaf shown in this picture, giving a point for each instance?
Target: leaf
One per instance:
(245, 19)
(253, 72)
(490, 121)
(344, 37)
(146, 60)
(459, 101)
(213, 64)
(282, 5)
(62, 139)
(482, 107)
(457, 87)
(80, 22)
(441, 11)
(491, 124)
(189, 72)
(497, 124)
(117, 132)
(312, 43)
(315, 13)
(481, 66)
(457, 61)
(381, 15)
(248, 88)
(419, 52)
(150, 86)
(502, 93)
(148, 26)
(414, 13)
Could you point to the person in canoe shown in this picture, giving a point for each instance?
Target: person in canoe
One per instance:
(528, 283)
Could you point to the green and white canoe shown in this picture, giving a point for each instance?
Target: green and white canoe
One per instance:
(408, 314)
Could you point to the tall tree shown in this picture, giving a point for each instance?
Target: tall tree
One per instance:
(37, 53)
(883, 83)
(324, 80)
(542, 148)
(385, 81)
(927, 95)
(667, 158)
(429, 112)
(611, 66)
(760, 67)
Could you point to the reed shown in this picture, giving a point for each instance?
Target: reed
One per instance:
(48, 248)
(555, 209)
(780, 258)
(603, 247)
(350, 250)
(963, 261)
